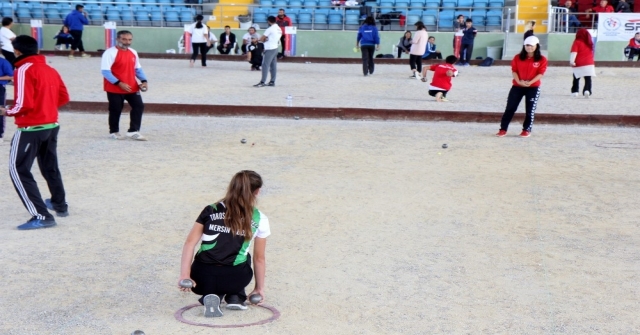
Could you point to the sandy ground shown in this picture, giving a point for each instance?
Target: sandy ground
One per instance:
(324, 85)
(376, 228)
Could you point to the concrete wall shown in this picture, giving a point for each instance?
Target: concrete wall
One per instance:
(326, 43)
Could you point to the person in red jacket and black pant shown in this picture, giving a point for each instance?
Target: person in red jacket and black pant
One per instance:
(39, 91)
(527, 69)
(283, 21)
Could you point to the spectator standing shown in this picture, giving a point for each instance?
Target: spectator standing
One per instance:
(283, 21)
(527, 70)
(441, 82)
(368, 40)
(38, 94)
(76, 21)
(469, 34)
(404, 45)
(246, 39)
(582, 63)
(6, 75)
(225, 231)
(6, 37)
(633, 49)
(459, 23)
(418, 47)
(63, 39)
(270, 39)
(120, 68)
(431, 52)
(227, 41)
(199, 41)
(254, 53)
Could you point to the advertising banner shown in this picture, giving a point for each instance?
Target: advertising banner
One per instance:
(618, 26)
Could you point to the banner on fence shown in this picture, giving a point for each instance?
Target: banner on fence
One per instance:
(290, 41)
(36, 32)
(109, 34)
(618, 26)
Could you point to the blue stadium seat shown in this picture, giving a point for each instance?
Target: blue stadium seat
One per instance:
(113, 15)
(320, 18)
(496, 4)
(127, 16)
(480, 4)
(429, 20)
(446, 17)
(304, 18)
(401, 4)
(432, 5)
(143, 16)
(310, 4)
(494, 13)
(449, 4)
(37, 12)
(417, 4)
(352, 19)
(280, 3)
(335, 18)
(295, 4)
(324, 4)
(465, 3)
(266, 3)
(386, 7)
(7, 11)
(186, 17)
(95, 15)
(412, 19)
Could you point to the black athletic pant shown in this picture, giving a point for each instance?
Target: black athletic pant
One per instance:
(434, 55)
(575, 88)
(466, 50)
(77, 40)
(400, 52)
(224, 50)
(2, 118)
(26, 147)
(531, 94)
(367, 58)
(202, 47)
(9, 56)
(221, 280)
(434, 92)
(116, 104)
(415, 61)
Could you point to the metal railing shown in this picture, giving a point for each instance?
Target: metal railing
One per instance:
(563, 21)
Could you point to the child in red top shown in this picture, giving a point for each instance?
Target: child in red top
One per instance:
(527, 69)
(633, 48)
(441, 82)
(582, 62)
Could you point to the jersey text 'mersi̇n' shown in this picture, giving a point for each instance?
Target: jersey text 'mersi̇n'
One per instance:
(219, 245)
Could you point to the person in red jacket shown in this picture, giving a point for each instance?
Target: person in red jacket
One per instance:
(582, 63)
(604, 7)
(441, 81)
(283, 21)
(633, 49)
(39, 91)
(527, 69)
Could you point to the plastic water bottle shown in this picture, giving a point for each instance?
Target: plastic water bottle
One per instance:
(289, 101)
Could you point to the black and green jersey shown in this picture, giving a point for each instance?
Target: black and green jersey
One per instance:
(218, 245)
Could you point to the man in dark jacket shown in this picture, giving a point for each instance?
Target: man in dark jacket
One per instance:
(39, 91)
(282, 20)
(76, 21)
(227, 41)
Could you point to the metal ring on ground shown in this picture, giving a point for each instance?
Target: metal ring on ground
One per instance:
(618, 145)
(179, 317)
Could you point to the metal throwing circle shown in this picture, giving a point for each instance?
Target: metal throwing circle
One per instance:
(179, 317)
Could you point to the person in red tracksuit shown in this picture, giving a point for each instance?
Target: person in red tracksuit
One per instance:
(527, 69)
(441, 82)
(39, 91)
(282, 20)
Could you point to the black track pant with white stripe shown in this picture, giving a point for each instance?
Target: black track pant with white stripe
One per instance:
(26, 147)
(531, 94)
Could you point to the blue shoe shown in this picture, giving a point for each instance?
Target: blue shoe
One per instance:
(58, 213)
(37, 224)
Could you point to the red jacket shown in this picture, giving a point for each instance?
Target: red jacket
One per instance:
(285, 21)
(527, 69)
(584, 55)
(634, 44)
(38, 92)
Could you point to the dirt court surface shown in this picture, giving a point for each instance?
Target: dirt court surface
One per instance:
(343, 85)
(375, 228)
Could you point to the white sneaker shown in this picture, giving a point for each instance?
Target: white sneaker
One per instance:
(116, 136)
(587, 94)
(575, 94)
(237, 306)
(136, 136)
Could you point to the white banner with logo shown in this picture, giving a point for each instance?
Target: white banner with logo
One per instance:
(618, 26)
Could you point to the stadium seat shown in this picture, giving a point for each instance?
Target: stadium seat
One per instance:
(448, 4)
(465, 3)
(417, 4)
(386, 7)
(186, 17)
(324, 4)
(320, 21)
(401, 4)
(352, 19)
(496, 4)
(259, 17)
(127, 16)
(446, 18)
(280, 3)
(142, 18)
(7, 11)
(156, 18)
(412, 19)
(480, 4)
(264, 3)
(305, 21)
(295, 4)
(310, 4)
(113, 15)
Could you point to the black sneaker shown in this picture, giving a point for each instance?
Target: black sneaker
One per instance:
(260, 84)
(271, 84)
(61, 214)
(35, 223)
(234, 303)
